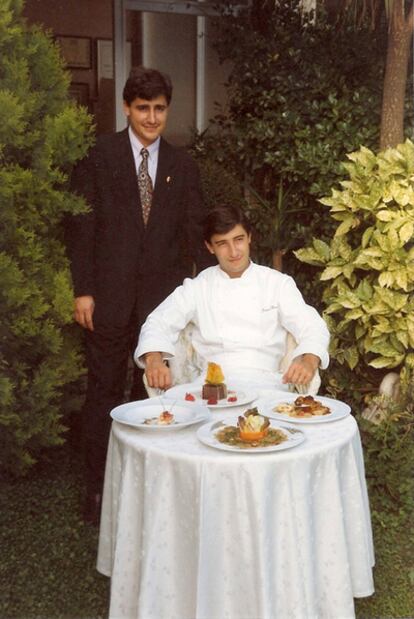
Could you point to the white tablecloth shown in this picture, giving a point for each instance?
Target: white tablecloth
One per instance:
(190, 532)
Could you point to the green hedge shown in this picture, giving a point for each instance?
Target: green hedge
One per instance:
(41, 136)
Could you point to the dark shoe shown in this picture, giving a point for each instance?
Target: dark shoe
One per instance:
(92, 508)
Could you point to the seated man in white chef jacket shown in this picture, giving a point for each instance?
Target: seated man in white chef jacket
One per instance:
(241, 314)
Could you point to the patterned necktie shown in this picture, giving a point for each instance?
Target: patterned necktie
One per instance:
(145, 186)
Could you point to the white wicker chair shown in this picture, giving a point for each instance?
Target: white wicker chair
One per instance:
(185, 368)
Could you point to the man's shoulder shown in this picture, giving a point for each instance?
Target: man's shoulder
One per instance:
(268, 272)
(204, 277)
(206, 274)
(179, 153)
(271, 279)
(107, 141)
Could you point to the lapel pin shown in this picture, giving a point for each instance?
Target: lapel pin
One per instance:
(168, 179)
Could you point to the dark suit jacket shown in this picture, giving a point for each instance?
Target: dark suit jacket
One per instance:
(113, 256)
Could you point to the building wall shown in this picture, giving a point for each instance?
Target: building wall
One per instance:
(91, 18)
(167, 42)
(169, 45)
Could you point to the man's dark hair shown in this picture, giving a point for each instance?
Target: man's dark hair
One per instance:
(222, 219)
(147, 84)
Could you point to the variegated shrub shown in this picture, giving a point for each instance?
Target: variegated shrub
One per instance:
(369, 263)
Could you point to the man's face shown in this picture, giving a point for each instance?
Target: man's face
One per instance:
(232, 250)
(147, 118)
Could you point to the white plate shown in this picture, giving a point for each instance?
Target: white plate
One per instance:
(135, 413)
(206, 434)
(338, 409)
(244, 396)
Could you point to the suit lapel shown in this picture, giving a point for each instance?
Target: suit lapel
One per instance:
(127, 178)
(163, 182)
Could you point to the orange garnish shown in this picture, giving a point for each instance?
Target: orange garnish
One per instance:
(253, 436)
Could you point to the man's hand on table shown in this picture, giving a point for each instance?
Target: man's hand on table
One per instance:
(302, 369)
(157, 373)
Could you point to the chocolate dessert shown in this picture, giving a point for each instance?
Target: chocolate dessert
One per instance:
(214, 388)
(215, 392)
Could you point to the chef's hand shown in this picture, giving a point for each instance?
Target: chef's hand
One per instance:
(83, 312)
(158, 374)
(302, 369)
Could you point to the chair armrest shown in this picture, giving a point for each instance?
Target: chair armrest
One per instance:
(313, 386)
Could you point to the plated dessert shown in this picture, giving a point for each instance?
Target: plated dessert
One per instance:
(164, 419)
(252, 430)
(213, 401)
(160, 414)
(214, 388)
(214, 392)
(304, 406)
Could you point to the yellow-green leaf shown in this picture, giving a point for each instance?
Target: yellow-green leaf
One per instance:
(322, 248)
(402, 337)
(359, 331)
(354, 314)
(394, 239)
(401, 279)
(386, 279)
(372, 252)
(308, 255)
(352, 356)
(406, 232)
(364, 290)
(331, 273)
(366, 237)
(348, 270)
(385, 215)
(346, 225)
(382, 362)
(349, 301)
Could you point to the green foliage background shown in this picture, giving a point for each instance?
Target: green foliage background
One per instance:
(302, 93)
(41, 135)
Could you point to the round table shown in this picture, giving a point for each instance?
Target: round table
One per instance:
(191, 532)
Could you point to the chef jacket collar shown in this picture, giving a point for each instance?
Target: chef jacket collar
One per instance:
(244, 275)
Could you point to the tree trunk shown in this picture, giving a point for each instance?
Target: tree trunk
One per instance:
(278, 259)
(395, 79)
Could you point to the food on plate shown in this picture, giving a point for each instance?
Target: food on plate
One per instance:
(164, 419)
(252, 426)
(232, 398)
(212, 401)
(252, 430)
(189, 397)
(214, 387)
(304, 406)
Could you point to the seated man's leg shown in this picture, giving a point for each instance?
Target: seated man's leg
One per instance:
(107, 361)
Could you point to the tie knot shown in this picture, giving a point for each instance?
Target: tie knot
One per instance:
(144, 154)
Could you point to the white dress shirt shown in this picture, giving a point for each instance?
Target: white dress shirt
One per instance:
(240, 323)
(153, 150)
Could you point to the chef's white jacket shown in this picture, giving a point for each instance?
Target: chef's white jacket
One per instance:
(240, 323)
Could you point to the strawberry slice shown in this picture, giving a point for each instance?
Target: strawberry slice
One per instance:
(232, 398)
(189, 397)
(212, 401)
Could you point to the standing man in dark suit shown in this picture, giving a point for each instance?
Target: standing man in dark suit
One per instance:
(137, 243)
